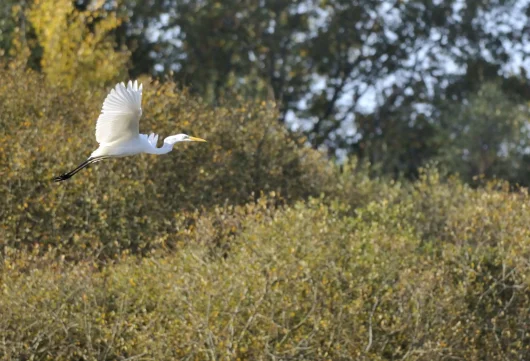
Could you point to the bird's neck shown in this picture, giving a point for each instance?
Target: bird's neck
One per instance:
(165, 148)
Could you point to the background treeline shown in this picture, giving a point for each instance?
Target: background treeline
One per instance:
(398, 83)
(257, 245)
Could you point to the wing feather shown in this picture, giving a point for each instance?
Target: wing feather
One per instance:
(120, 114)
(152, 139)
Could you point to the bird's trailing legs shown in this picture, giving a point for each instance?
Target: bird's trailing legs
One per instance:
(70, 174)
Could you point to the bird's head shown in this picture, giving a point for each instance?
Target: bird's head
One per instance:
(172, 139)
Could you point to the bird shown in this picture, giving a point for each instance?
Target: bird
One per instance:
(117, 129)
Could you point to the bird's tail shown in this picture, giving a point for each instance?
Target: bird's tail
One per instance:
(70, 174)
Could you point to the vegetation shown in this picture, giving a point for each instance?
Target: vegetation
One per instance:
(256, 246)
(380, 80)
(428, 271)
(133, 199)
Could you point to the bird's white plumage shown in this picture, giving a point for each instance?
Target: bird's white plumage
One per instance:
(153, 139)
(120, 114)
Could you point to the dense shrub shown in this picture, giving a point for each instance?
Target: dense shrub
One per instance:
(409, 279)
(126, 204)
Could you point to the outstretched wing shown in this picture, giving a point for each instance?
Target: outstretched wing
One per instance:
(120, 115)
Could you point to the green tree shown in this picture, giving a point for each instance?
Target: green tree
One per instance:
(486, 135)
(350, 72)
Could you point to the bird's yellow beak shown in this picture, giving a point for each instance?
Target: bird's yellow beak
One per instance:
(193, 139)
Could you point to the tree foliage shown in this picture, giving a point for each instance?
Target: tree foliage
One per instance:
(487, 135)
(322, 57)
(77, 45)
(365, 78)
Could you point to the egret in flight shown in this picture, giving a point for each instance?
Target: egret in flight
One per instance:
(117, 129)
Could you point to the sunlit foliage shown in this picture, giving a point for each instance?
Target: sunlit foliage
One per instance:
(77, 45)
(435, 271)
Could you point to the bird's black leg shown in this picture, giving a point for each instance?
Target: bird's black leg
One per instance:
(70, 174)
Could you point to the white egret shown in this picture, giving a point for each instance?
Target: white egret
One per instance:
(117, 129)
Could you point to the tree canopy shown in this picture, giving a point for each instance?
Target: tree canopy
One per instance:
(375, 79)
